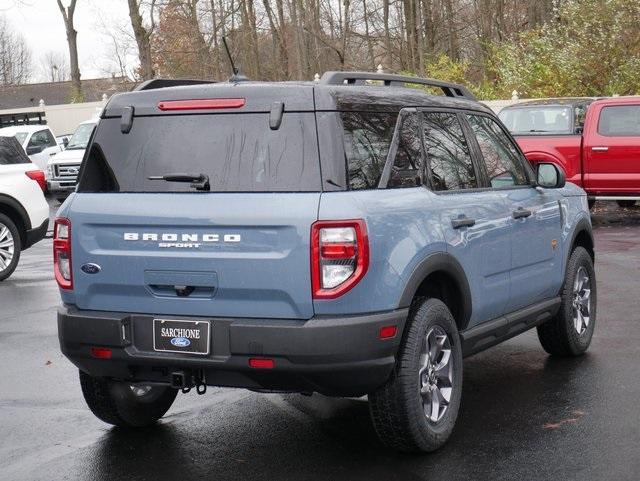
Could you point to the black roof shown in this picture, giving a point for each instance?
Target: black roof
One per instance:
(298, 96)
(569, 101)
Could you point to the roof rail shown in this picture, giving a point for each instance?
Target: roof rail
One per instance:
(158, 83)
(391, 80)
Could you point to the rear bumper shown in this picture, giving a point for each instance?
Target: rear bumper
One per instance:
(37, 234)
(339, 356)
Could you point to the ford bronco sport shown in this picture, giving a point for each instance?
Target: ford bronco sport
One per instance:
(352, 236)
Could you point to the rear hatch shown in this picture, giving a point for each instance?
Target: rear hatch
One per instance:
(239, 248)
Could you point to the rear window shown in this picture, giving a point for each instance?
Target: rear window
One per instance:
(620, 120)
(367, 139)
(11, 152)
(538, 120)
(238, 153)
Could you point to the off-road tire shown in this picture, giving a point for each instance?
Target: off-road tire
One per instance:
(396, 408)
(558, 336)
(7, 270)
(115, 403)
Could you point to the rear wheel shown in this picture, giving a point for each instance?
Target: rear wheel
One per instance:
(123, 404)
(626, 203)
(10, 247)
(417, 408)
(569, 333)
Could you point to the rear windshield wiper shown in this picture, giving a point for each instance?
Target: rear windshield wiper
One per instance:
(198, 181)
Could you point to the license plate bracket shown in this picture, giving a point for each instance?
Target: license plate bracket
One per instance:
(181, 336)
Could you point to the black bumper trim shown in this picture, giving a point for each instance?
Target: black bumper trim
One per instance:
(340, 356)
(37, 234)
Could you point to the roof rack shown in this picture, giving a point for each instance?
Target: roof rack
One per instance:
(158, 83)
(391, 80)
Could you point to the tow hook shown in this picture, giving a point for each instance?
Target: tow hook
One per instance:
(186, 380)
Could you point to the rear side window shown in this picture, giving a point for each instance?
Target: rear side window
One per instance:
(619, 120)
(11, 152)
(367, 139)
(501, 158)
(239, 153)
(449, 159)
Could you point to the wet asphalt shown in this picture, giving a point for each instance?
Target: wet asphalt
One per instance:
(524, 416)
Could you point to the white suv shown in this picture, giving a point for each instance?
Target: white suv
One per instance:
(38, 142)
(24, 212)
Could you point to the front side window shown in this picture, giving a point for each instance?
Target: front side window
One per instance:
(39, 139)
(501, 158)
(619, 120)
(448, 155)
(367, 139)
(407, 165)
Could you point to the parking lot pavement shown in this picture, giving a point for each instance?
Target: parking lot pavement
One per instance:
(524, 416)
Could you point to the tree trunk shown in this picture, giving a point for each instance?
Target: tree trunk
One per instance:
(72, 34)
(143, 39)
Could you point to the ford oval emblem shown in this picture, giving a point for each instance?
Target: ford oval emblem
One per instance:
(180, 342)
(90, 268)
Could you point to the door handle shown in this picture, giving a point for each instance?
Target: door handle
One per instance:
(521, 213)
(462, 221)
(600, 149)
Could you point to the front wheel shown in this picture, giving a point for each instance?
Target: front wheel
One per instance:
(417, 408)
(123, 404)
(569, 333)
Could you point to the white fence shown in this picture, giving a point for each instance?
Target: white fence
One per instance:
(63, 119)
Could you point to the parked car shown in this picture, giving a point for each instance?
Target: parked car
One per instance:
(38, 142)
(63, 168)
(339, 237)
(24, 212)
(596, 142)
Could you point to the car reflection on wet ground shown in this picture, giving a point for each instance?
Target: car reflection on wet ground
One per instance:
(524, 415)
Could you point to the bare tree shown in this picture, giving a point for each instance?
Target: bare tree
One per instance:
(54, 66)
(143, 35)
(72, 35)
(15, 56)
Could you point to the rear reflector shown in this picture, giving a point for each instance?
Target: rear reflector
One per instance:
(101, 352)
(201, 104)
(261, 363)
(388, 332)
(38, 176)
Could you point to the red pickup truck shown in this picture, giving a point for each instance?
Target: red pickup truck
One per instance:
(595, 141)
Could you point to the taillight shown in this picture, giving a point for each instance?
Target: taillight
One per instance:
(339, 256)
(38, 176)
(62, 253)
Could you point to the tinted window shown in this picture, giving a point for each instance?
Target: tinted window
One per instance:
(11, 152)
(42, 138)
(367, 138)
(501, 158)
(407, 166)
(237, 152)
(619, 120)
(448, 154)
(538, 120)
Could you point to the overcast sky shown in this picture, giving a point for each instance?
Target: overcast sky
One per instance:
(40, 22)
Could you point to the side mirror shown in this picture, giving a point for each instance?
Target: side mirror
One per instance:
(550, 176)
(35, 149)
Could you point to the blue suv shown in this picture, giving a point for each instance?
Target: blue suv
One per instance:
(358, 235)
